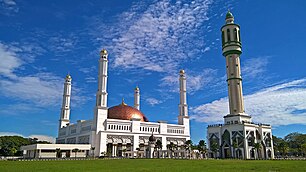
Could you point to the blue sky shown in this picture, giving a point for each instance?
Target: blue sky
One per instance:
(148, 43)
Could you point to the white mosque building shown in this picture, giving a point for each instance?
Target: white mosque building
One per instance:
(238, 137)
(116, 131)
(120, 129)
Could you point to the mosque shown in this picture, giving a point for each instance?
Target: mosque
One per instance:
(124, 130)
(116, 131)
(121, 129)
(238, 137)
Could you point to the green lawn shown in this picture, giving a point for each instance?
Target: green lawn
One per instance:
(158, 165)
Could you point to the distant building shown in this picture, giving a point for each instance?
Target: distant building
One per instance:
(238, 137)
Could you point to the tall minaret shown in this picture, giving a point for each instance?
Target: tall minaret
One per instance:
(183, 108)
(183, 118)
(101, 95)
(100, 112)
(65, 111)
(231, 48)
(137, 98)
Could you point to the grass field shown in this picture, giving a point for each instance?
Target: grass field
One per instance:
(158, 165)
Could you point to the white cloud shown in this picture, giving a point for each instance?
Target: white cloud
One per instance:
(41, 89)
(10, 134)
(254, 67)
(9, 61)
(9, 2)
(43, 138)
(195, 82)
(158, 37)
(61, 44)
(152, 101)
(8, 6)
(282, 104)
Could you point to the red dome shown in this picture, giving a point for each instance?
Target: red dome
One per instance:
(125, 112)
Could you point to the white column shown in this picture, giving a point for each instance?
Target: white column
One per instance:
(113, 150)
(65, 110)
(137, 98)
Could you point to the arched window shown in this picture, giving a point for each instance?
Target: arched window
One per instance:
(239, 38)
(235, 35)
(228, 35)
(223, 38)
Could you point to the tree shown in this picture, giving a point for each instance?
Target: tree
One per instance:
(303, 149)
(13, 151)
(171, 147)
(283, 148)
(214, 147)
(58, 152)
(235, 146)
(7, 143)
(188, 147)
(92, 150)
(75, 150)
(257, 147)
(159, 146)
(202, 147)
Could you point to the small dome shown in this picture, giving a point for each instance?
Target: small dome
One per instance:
(125, 112)
(68, 76)
(182, 71)
(103, 52)
(229, 15)
(152, 138)
(137, 88)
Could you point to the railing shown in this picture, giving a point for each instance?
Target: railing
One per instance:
(119, 126)
(149, 128)
(175, 129)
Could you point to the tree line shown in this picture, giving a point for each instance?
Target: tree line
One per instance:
(294, 144)
(10, 145)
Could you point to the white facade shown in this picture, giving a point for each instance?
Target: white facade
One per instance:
(238, 137)
(114, 137)
(56, 151)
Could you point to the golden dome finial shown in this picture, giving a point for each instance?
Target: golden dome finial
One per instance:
(68, 76)
(137, 88)
(103, 52)
(182, 71)
(122, 103)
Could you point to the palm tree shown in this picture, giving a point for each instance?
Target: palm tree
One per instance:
(75, 150)
(202, 147)
(58, 152)
(235, 146)
(171, 147)
(92, 151)
(159, 146)
(257, 147)
(188, 147)
(214, 147)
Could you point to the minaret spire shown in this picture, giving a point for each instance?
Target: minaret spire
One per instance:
(65, 110)
(137, 98)
(231, 48)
